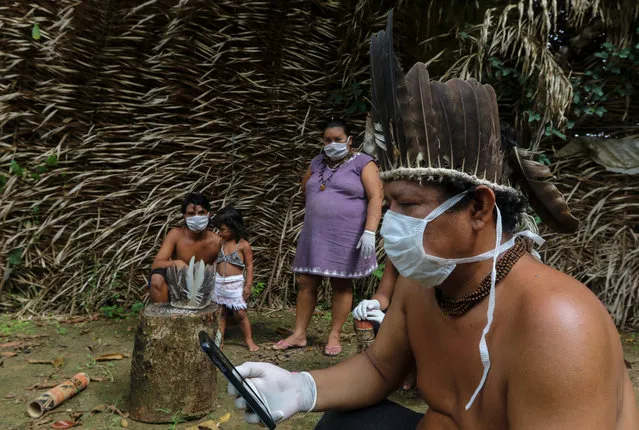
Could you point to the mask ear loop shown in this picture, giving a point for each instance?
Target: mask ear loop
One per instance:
(483, 346)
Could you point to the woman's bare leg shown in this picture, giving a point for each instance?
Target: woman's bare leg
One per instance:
(306, 301)
(341, 307)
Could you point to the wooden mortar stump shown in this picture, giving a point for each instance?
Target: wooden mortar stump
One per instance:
(170, 374)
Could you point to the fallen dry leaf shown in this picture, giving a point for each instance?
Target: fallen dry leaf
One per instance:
(75, 416)
(98, 379)
(110, 357)
(85, 331)
(10, 344)
(58, 362)
(124, 423)
(282, 331)
(628, 364)
(206, 425)
(40, 362)
(8, 354)
(42, 385)
(98, 409)
(10, 396)
(64, 424)
(225, 418)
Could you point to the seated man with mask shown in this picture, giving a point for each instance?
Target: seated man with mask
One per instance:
(182, 243)
(500, 340)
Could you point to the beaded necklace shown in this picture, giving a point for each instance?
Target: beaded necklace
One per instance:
(455, 308)
(324, 182)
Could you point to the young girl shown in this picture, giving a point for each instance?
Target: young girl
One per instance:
(232, 290)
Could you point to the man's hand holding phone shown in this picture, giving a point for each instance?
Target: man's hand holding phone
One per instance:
(284, 393)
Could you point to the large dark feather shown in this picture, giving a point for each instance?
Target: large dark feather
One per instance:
(471, 125)
(534, 180)
(387, 78)
(450, 130)
(484, 168)
(422, 114)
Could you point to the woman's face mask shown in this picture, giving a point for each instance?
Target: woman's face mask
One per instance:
(336, 150)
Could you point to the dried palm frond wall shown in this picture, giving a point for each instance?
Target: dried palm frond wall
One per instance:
(122, 106)
(140, 102)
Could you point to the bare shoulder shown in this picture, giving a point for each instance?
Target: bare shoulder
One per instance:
(244, 245)
(556, 313)
(214, 237)
(552, 300)
(564, 352)
(175, 233)
(561, 330)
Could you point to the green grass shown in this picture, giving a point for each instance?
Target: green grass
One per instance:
(11, 327)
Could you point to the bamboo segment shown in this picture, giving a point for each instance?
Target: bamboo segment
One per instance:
(57, 395)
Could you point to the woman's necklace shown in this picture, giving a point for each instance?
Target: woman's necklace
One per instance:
(458, 307)
(333, 168)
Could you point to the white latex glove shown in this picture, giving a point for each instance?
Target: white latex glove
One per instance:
(366, 244)
(284, 393)
(375, 315)
(361, 310)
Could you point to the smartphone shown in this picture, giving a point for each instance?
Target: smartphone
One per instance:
(253, 401)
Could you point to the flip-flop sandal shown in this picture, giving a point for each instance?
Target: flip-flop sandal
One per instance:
(332, 351)
(283, 345)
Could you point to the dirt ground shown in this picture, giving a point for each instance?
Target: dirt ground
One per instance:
(73, 346)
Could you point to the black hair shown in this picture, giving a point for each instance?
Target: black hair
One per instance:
(195, 199)
(511, 207)
(337, 123)
(232, 218)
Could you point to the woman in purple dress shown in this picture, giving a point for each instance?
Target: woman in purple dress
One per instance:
(343, 208)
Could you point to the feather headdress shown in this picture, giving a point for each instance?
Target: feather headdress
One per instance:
(434, 131)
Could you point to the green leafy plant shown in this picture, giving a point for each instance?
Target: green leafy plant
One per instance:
(136, 308)
(113, 311)
(60, 330)
(351, 96)
(257, 288)
(15, 257)
(35, 32)
(379, 272)
(119, 311)
(15, 168)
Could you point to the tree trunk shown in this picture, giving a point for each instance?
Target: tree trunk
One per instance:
(170, 374)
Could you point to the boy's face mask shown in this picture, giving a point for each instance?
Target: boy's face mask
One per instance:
(403, 242)
(197, 223)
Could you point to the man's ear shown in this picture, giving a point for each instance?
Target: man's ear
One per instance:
(482, 206)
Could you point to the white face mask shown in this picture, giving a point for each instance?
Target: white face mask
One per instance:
(336, 150)
(197, 223)
(403, 242)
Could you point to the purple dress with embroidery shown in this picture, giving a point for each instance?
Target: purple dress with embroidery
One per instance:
(334, 222)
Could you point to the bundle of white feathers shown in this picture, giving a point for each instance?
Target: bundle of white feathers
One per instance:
(191, 287)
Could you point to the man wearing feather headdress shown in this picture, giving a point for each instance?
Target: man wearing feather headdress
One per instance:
(500, 340)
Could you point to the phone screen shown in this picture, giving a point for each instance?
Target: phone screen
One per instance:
(253, 400)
